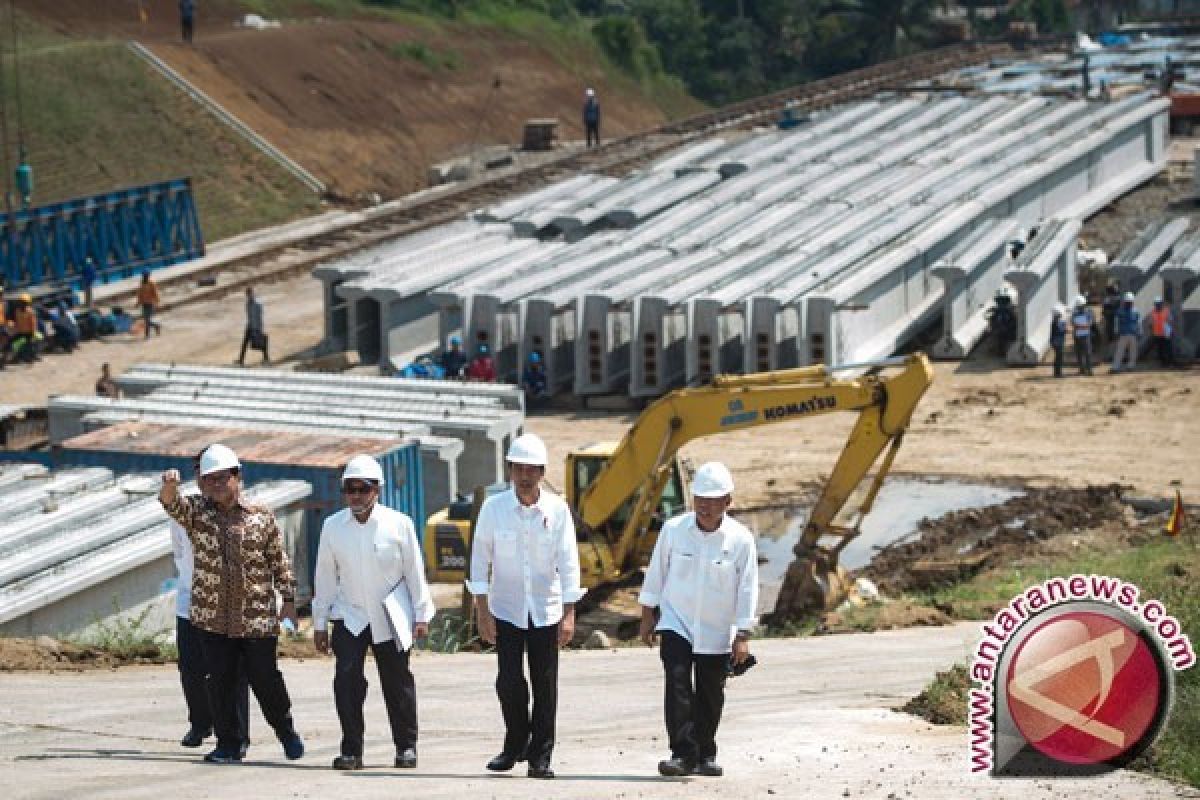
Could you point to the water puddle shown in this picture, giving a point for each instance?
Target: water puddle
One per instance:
(902, 503)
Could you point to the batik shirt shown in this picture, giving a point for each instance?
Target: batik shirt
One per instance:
(239, 561)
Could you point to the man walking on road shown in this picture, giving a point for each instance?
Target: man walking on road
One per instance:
(240, 563)
(256, 332)
(525, 578)
(703, 581)
(193, 669)
(370, 579)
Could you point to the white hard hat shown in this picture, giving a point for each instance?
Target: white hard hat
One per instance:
(712, 480)
(1158, 301)
(1081, 300)
(1127, 297)
(527, 448)
(216, 458)
(591, 92)
(363, 468)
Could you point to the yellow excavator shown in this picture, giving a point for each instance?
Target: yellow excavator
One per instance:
(622, 493)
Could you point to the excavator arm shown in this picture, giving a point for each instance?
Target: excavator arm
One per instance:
(642, 462)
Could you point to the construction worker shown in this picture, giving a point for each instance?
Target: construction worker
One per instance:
(149, 299)
(107, 387)
(87, 280)
(370, 579)
(1128, 324)
(703, 583)
(25, 331)
(187, 19)
(240, 563)
(1082, 323)
(454, 360)
(1058, 338)
(534, 382)
(1161, 328)
(1108, 311)
(525, 578)
(482, 367)
(591, 117)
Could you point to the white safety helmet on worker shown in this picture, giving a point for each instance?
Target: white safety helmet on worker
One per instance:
(216, 458)
(712, 480)
(528, 448)
(1080, 301)
(1127, 297)
(363, 468)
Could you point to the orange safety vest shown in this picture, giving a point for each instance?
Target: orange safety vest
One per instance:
(25, 321)
(1160, 321)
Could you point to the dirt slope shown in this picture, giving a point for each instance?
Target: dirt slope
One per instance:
(350, 101)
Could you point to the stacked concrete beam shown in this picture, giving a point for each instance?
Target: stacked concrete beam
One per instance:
(463, 428)
(1180, 282)
(971, 275)
(64, 568)
(1138, 265)
(819, 244)
(1044, 277)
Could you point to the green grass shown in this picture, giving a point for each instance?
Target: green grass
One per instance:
(428, 56)
(129, 638)
(1163, 568)
(95, 118)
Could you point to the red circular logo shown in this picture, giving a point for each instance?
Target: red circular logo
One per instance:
(1084, 688)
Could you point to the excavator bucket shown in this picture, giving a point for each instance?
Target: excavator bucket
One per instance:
(811, 585)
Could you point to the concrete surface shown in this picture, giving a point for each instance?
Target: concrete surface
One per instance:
(812, 720)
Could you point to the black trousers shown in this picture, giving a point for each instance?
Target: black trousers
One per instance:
(593, 133)
(248, 341)
(526, 732)
(226, 656)
(1058, 359)
(194, 677)
(1162, 346)
(692, 714)
(350, 688)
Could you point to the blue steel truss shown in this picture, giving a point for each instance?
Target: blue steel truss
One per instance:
(124, 233)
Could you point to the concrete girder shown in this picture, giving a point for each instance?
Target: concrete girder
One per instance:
(1149, 250)
(549, 331)
(658, 351)
(1043, 279)
(971, 274)
(639, 207)
(637, 185)
(535, 220)
(510, 209)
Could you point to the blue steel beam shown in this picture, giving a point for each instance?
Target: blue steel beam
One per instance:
(124, 232)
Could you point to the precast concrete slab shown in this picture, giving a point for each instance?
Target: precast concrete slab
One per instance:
(971, 274)
(450, 393)
(1044, 277)
(1139, 261)
(120, 560)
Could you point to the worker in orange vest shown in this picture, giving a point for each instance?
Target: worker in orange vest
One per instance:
(25, 331)
(1161, 329)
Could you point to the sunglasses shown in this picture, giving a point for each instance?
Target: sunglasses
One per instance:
(219, 477)
(357, 488)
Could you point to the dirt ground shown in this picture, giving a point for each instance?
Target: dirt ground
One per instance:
(301, 87)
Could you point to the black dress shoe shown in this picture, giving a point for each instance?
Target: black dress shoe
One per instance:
(505, 761)
(674, 767)
(243, 747)
(541, 771)
(347, 762)
(195, 736)
(709, 768)
(407, 758)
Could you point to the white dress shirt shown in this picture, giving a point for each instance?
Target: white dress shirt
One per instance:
(532, 556)
(704, 584)
(360, 564)
(181, 552)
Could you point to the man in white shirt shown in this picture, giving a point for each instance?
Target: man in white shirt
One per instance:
(703, 580)
(193, 669)
(525, 578)
(370, 579)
